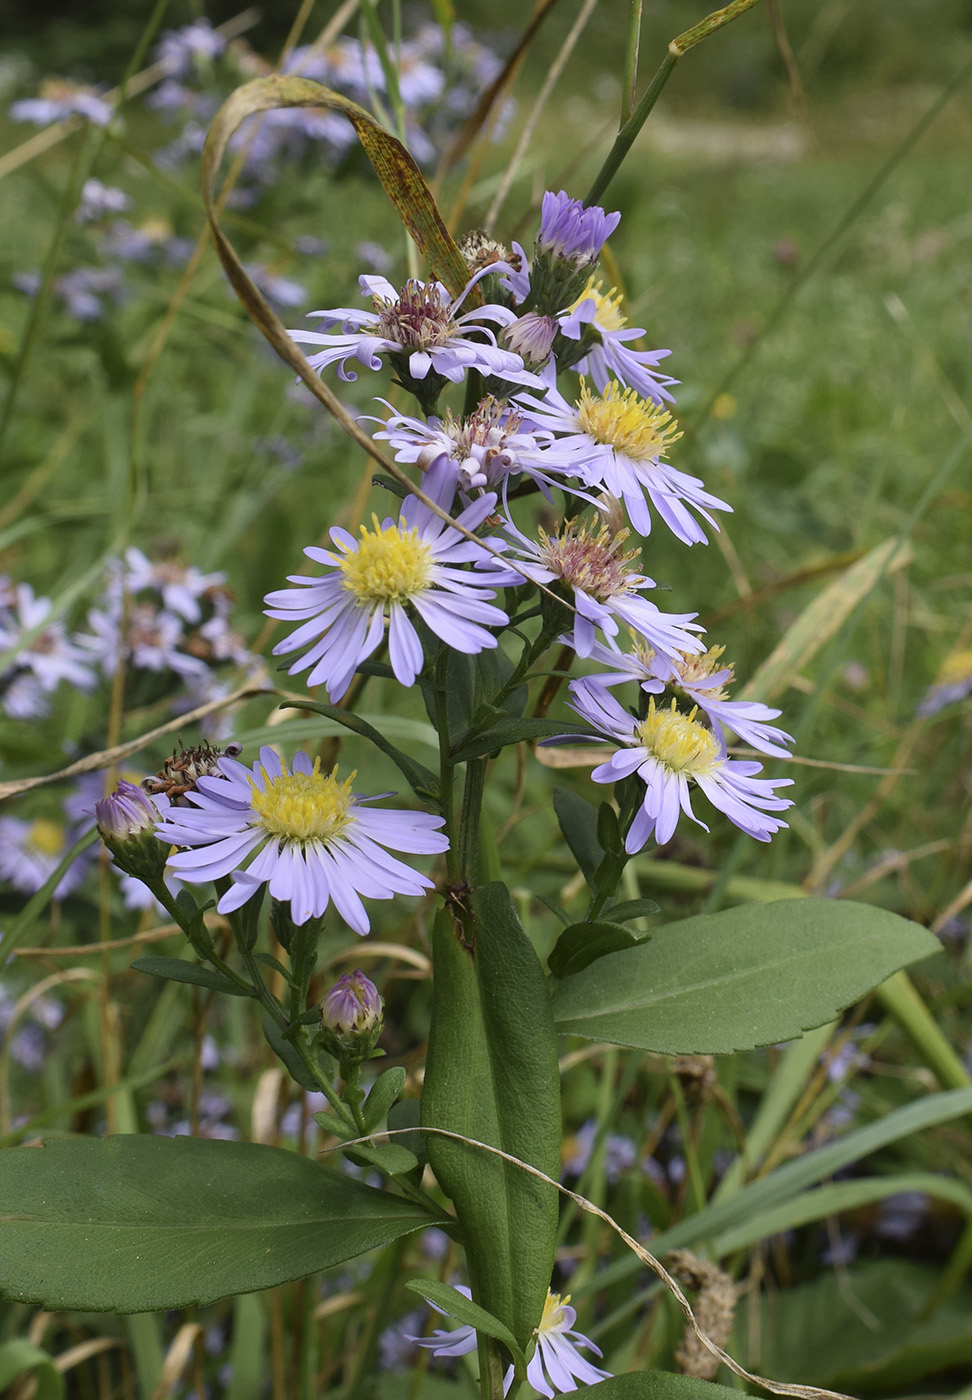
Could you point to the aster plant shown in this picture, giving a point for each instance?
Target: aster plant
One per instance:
(515, 628)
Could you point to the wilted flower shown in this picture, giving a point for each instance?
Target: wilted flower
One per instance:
(591, 561)
(419, 329)
(304, 833)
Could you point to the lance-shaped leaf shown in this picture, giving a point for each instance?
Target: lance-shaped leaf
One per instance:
(748, 976)
(420, 779)
(137, 1224)
(492, 1075)
(659, 1385)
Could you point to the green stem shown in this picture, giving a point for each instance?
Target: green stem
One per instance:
(491, 1369)
(161, 892)
(626, 136)
(446, 773)
(631, 61)
(472, 806)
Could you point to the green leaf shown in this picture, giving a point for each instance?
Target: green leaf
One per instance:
(420, 779)
(19, 1356)
(577, 820)
(286, 1051)
(384, 1092)
(495, 669)
(659, 1385)
(747, 976)
(390, 1157)
(141, 1224)
(179, 970)
(456, 1305)
(631, 909)
(823, 1333)
(581, 944)
(514, 731)
(492, 1075)
(406, 1114)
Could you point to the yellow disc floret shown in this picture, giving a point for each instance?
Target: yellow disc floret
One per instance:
(552, 1318)
(679, 741)
(304, 806)
(46, 836)
(607, 316)
(633, 426)
(391, 565)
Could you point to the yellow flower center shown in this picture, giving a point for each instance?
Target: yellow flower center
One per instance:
(679, 741)
(608, 315)
(955, 667)
(47, 837)
(552, 1318)
(304, 806)
(390, 565)
(633, 426)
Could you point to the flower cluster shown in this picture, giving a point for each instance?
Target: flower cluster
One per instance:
(412, 584)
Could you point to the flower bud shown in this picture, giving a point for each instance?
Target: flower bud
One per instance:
(568, 245)
(126, 821)
(531, 337)
(351, 1019)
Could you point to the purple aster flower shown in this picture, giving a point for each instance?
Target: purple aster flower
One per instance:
(41, 645)
(98, 200)
(30, 852)
(485, 448)
(599, 314)
(181, 585)
(570, 231)
(181, 51)
(420, 330)
(668, 750)
(703, 680)
(85, 290)
(147, 637)
(615, 442)
(556, 1365)
(306, 835)
(954, 683)
(591, 562)
(59, 100)
(414, 563)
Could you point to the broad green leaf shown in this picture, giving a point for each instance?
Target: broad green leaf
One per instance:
(140, 1224)
(18, 1357)
(824, 1331)
(420, 779)
(456, 1305)
(577, 819)
(492, 1075)
(581, 944)
(748, 976)
(755, 1201)
(659, 1385)
(383, 1093)
(514, 731)
(179, 970)
(390, 1157)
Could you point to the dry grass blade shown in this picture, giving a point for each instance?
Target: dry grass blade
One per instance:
(176, 1358)
(823, 619)
(93, 762)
